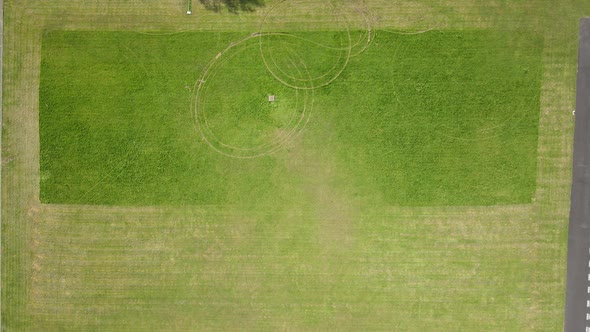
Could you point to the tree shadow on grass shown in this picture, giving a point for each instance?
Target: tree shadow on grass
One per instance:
(233, 6)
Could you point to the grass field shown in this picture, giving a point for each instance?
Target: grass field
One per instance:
(429, 119)
(422, 181)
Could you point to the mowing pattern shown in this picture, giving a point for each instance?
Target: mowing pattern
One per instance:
(212, 270)
(453, 268)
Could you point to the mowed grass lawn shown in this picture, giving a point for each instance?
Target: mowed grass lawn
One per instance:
(440, 118)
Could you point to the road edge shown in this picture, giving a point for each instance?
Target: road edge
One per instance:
(577, 301)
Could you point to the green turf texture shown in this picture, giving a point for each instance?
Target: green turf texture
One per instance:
(116, 125)
(440, 118)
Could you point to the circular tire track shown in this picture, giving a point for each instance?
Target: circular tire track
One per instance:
(303, 101)
(285, 57)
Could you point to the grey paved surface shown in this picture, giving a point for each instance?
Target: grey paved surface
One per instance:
(577, 301)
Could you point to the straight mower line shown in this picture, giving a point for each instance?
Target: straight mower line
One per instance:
(56, 211)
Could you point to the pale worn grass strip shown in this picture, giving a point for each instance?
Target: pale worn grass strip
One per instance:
(72, 254)
(554, 173)
(20, 163)
(170, 15)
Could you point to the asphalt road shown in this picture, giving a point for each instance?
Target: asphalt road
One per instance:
(577, 300)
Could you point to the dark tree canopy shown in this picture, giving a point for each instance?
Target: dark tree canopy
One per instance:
(233, 6)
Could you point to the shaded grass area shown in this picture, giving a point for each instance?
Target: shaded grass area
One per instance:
(233, 6)
(433, 119)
